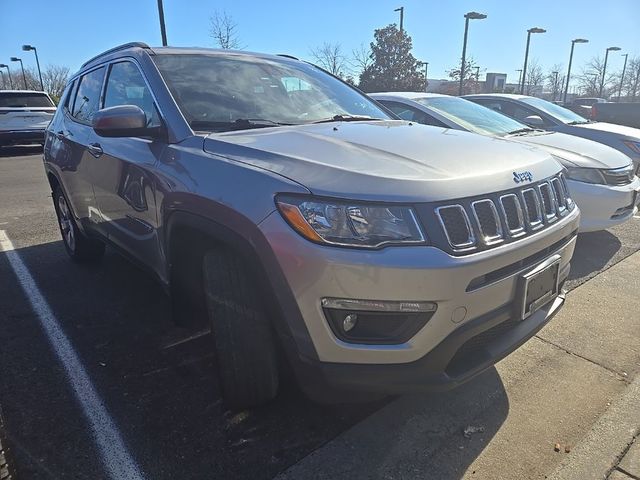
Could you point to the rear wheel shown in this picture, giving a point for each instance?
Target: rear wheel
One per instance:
(79, 247)
(244, 339)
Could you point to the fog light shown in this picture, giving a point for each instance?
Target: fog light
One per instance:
(349, 322)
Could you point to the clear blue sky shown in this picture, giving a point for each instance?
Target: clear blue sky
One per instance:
(70, 31)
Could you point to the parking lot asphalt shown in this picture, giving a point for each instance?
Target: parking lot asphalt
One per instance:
(161, 391)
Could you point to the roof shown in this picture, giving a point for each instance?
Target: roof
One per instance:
(499, 95)
(23, 91)
(407, 95)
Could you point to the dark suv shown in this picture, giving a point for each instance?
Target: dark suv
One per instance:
(294, 214)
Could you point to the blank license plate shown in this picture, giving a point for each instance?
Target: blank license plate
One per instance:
(540, 287)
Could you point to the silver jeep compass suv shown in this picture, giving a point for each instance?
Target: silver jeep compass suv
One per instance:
(295, 214)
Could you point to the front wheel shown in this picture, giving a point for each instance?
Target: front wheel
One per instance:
(244, 339)
(78, 246)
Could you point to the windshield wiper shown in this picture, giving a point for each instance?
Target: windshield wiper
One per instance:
(521, 130)
(579, 122)
(348, 118)
(238, 124)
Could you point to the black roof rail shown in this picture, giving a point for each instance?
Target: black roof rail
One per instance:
(115, 49)
(285, 55)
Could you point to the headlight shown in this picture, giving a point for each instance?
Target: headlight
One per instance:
(353, 224)
(587, 175)
(634, 146)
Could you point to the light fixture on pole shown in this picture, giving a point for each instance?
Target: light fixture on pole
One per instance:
(526, 55)
(24, 78)
(624, 68)
(467, 16)
(604, 68)
(4, 65)
(27, 48)
(573, 44)
(401, 10)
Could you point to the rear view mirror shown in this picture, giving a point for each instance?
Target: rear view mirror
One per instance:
(123, 121)
(534, 121)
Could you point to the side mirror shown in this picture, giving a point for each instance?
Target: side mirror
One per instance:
(123, 121)
(534, 121)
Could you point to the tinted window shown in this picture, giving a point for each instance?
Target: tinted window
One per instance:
(126, 86)
(471, 116)
(18, 100)
(555, 111)
(88, 97)
(412, 114)
(214, 91)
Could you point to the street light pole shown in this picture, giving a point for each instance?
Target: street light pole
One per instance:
(26, 48)
(573, 44)
(401, 10)
(467, 16)
(3, 65)
(624, 68)
(555, 84)
(163, 31)
(426, 75)
(24, 78)
(526, 55)
(604, 69)
(519, 70)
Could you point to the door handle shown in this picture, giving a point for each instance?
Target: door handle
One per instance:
(95, 149)
(59, 134)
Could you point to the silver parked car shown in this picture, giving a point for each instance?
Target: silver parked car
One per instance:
(301, 217)
(601, 180)
(539, 113)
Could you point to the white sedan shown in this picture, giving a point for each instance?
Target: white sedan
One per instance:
(601, 179)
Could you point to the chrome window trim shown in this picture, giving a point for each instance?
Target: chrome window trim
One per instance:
(470, 244)
(486, 239)
(521, 230)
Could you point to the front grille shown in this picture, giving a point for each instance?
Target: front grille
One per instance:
(618, 176)
(506, 217)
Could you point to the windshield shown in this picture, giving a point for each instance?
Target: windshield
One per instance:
(556, 111)
(471, 116)
(19, 100)
(214, 91)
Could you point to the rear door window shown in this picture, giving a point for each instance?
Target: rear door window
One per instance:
(26, 99)
(126, 86)
(87, 100)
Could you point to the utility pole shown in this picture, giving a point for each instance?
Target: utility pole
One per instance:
(526, 55)
(467, 16)
(27, 48)
(624, 68)
(573, 44)
(401, 10)
(163, 31)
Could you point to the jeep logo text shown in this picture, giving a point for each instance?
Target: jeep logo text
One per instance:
(522, 177)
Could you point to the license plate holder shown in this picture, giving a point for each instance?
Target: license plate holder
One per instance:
(539, 286)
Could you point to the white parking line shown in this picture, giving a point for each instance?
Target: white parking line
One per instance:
(116, 459)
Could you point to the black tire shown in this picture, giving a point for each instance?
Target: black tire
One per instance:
(6, 469)
(244, 338)
(79, 247)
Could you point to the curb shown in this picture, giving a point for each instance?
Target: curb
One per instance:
(602, 448)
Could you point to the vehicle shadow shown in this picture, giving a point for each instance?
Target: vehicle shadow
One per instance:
(593, 251)
(162, 392)
(20, 150)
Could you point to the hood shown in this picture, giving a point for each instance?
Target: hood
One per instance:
(629, 132)
(575, 151)
(384, 160)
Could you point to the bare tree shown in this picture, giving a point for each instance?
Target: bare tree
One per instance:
(555, 81)
(361, 59)
(631, 80)
(592, 76)
(330, 57)
(535, 78)
(54, 78)
(224, 31)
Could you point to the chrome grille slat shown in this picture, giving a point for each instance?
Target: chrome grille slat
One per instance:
(457, 227)
(512, 212)
(488, 221)
(501, 218)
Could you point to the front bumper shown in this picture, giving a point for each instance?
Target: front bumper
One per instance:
(16, 137)
(604, 206)
(481, 284)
